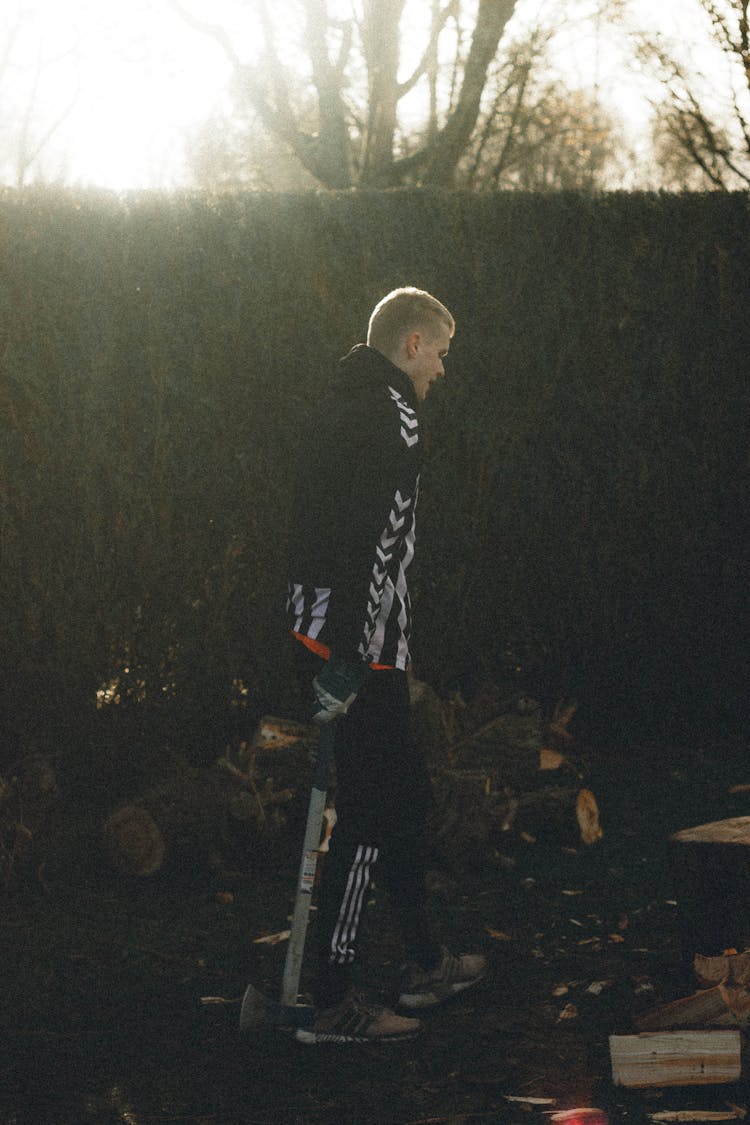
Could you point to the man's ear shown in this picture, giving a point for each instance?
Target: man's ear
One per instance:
(412, 344)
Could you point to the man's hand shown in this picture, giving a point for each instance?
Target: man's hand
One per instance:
(336, 687)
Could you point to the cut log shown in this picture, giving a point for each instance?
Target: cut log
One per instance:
(250, 792)
(185, 818)
(710, 866)
(676, 1058)
(470, 819)
(560, 815)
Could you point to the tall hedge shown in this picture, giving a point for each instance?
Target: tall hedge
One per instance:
(585, 486)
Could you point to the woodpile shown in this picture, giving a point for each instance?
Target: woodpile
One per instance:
(196, 813)
(722, 1001)
(698, 1039)
(29, 798)
(501, 776)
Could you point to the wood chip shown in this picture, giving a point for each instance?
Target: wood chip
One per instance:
(498, 935)
(694, 1115)
(581, 1115)
(529, 1101)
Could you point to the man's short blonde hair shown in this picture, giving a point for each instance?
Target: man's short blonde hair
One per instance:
(404, 311)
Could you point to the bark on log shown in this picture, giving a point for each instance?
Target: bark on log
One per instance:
(710, 866)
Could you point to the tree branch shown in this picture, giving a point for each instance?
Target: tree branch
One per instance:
(440, 156)
(423, 66)
(333, 148)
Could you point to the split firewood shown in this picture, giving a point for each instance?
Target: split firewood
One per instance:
(727, 968)
(676, 1058)
(710, 866)
(720, 1006)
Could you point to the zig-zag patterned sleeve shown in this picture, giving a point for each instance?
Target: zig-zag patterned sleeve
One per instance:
(354, 529)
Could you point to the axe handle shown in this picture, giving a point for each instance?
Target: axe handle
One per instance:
(308, 863)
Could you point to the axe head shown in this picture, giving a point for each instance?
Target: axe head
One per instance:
(258, 1012)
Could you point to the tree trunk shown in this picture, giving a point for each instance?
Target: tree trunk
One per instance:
(711, 872)
(440, 159)
(380, 40)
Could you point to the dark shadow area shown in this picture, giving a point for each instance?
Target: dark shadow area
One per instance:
(104, 979)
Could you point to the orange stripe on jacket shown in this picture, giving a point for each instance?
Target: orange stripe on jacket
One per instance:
(324, 651)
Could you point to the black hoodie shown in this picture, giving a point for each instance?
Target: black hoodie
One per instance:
(352, 527)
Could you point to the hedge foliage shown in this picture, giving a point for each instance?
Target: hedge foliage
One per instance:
(581, 528)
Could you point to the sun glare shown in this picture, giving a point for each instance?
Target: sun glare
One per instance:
(101, 92)
(120, 83)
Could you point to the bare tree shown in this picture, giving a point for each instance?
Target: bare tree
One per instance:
(356, 134)
(702, 124)
(537, 134)
(229, 152)
(25, 132)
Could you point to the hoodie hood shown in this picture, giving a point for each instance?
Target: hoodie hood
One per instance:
(364, 366)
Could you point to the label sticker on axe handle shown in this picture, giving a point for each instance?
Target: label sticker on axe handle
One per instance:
(307, 878)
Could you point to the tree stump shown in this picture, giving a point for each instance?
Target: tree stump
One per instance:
(710, 866)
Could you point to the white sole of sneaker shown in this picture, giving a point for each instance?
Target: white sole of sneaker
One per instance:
(313, 1037)
(432, 999)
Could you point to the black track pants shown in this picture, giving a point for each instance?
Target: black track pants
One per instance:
(382, 799)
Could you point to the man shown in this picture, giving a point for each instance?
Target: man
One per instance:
(352, 540)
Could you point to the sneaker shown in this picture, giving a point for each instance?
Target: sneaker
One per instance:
(423, 988)
(356, 1021)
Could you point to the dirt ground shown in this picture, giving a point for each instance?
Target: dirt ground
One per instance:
(104, 979)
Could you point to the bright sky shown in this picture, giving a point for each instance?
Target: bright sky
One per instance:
(128, 78)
